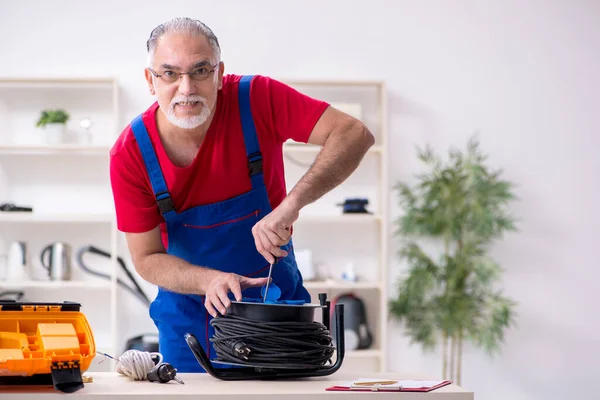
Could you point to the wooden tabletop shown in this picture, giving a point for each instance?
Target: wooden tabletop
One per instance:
(114, 386)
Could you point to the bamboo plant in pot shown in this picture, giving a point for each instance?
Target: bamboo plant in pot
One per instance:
(54, 124)
(450, 294)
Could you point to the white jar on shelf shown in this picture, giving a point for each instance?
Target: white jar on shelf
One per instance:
(54, 133)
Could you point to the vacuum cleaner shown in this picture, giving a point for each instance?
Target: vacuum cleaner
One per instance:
(356, 332)
(144, 342)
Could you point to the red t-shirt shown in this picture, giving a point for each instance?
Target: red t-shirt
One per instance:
(220, 170)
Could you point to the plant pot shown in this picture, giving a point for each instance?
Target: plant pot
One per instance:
(55, 133)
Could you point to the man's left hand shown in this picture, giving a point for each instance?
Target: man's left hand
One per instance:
(273, 231)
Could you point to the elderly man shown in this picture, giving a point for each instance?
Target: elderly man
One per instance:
(199, 188)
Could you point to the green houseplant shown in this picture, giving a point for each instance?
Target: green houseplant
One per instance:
(58, 116)
(54, 123)
(457, 208)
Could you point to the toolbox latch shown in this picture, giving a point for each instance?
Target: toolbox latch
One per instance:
(66, 376)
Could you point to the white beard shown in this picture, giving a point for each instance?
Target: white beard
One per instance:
(193, 121)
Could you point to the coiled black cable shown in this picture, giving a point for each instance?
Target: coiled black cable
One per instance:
(291, 345)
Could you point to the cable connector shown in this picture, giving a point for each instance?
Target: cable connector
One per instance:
(163, 373)
(241, 350)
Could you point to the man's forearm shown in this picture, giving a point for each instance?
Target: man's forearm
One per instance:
(340, 156)
(175, 274)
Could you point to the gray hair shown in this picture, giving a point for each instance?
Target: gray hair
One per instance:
(185, 25)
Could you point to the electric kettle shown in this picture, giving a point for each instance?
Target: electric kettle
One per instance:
(17, 263)
(56, 258)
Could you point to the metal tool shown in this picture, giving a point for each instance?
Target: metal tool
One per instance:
(163, 373)
(268, 280)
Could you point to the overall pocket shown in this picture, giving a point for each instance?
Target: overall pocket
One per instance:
(224, 242)
(225, 222)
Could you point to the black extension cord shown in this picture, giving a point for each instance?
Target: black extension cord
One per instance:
(288, 345)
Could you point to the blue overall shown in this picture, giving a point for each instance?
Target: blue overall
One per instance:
(218, 236)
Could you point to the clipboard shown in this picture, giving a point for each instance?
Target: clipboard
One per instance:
(385, 385)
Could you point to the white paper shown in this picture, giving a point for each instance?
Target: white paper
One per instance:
(405, 384)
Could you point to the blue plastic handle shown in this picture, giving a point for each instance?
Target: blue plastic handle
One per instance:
(273, 293)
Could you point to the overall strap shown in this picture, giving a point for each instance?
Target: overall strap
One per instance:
(255, 162)
(163, 198)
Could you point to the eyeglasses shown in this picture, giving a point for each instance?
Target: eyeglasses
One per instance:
(197, 75)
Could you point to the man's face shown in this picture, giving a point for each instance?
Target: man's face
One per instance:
(187, 99)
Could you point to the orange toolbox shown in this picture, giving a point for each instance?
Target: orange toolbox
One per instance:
(44, 343)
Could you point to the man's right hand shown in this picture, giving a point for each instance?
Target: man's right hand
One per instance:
(219, 286)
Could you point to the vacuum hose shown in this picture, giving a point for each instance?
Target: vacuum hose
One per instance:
(300, 345)
(137, 292)
(17, 293)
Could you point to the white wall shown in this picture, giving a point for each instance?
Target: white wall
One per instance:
(522, 73)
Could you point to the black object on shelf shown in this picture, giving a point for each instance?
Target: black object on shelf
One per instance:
(355, 206)
(17, 294)
(13, 207)
(249, 372)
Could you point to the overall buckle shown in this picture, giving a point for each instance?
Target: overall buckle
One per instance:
(165, 204)
(255, 166)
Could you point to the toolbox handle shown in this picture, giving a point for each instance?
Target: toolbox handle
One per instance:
(13, 305)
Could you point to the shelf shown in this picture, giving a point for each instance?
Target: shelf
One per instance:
(58, 83)
(366, 101)
(28, 217)
(367, 353)
(34, 162)
(55, 149)
(331, 284)
(104, 149)
(294, 147)
(342, 218)
(333, 83)
(55, 284)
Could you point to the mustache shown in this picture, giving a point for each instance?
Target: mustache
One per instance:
(186, 99)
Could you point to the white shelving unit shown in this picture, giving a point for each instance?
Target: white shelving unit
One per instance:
(336, 239)
(67, 185)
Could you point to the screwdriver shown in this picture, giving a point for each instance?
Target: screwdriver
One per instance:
(268, 280)
(163, 373)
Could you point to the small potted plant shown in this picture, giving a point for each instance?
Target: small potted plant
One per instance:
(54, 123)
